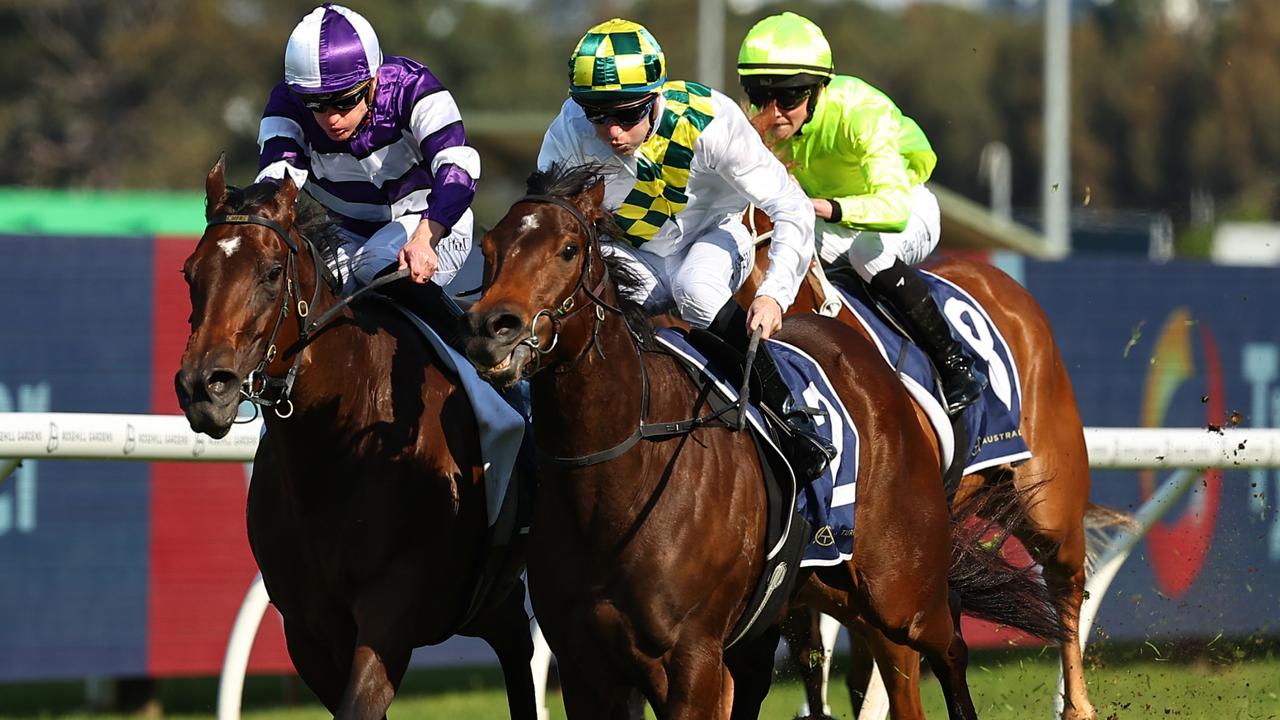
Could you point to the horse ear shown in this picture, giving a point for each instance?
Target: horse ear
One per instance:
(595, 194)
(215, 186)
(286, 196)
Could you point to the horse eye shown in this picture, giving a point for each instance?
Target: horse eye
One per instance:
(275, 273)
(569, 252)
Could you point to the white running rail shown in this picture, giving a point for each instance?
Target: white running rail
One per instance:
(1189, 451)
(101, 436)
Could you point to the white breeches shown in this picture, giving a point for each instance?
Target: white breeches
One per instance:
(359, 259)
(696, 281)
(870, 252)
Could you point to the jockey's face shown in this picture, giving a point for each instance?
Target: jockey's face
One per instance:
(341, 123)
(623, 141)
(782, 124)
(624, 131)
(783, 106)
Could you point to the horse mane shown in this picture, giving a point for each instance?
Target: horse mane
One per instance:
(565, 181)
(311, 220)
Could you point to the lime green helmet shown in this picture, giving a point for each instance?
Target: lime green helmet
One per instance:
(785, 45)
(615, 61)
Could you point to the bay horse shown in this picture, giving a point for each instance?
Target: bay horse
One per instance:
(366, 510)
(1053, 484)
(647, 543)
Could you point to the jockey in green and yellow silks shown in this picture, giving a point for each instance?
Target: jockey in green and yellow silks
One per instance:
(681, 162)
(863, 165)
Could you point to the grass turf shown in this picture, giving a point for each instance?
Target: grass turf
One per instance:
(1216, 679)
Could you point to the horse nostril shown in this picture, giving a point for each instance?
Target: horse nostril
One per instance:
(502, 326)
(221, 383)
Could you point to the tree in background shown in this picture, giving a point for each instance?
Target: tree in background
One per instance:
(145, 93)
(129, 94)
(1234, 144)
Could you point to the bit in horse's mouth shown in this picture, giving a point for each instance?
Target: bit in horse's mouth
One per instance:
(510, 369)
(506, 362)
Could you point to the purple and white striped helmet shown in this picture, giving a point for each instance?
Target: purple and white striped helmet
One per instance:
(332, 50)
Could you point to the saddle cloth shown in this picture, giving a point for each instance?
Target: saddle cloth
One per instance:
(501, 426)
(992, 423)
(827, 503)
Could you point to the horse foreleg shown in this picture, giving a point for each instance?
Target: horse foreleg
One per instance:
(861, 667)
(506, 629)
(589, 695)
(636, 706)
(316, 663)
(371, 686)
(811, 657)
(699, 686)
(751, 667)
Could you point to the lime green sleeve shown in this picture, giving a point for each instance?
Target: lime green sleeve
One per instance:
(870, 142)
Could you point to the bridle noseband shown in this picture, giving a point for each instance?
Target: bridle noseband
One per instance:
(569, 306)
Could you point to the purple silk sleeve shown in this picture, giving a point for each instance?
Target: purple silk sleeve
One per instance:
(453, 193)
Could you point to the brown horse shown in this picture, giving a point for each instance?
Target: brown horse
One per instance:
(1053, 484)
(645, 549)
(366, 511)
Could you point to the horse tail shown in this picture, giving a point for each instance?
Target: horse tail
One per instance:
(990, 586)
(1098, 520)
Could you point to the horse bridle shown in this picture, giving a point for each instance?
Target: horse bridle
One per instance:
(566, 309)
(569, 306)
(261, 389)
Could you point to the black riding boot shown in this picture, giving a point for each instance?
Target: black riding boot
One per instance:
(808, 451)
(906, 292)
(428, 301)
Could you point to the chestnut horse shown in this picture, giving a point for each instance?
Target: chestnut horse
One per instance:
(1053, 484)
(645, 548)
(366, 511)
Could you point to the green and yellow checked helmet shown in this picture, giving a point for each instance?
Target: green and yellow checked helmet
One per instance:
(616, 60)
(785, 45)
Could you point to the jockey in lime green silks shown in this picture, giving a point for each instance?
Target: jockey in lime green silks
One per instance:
(863, 165)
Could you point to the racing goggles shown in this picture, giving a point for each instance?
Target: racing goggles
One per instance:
(343, 103)
(627, 117)
(787, 98)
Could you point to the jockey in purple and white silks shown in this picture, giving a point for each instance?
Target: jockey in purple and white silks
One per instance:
(380, 143)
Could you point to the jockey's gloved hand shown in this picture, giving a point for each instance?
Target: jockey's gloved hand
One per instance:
(808, 451)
